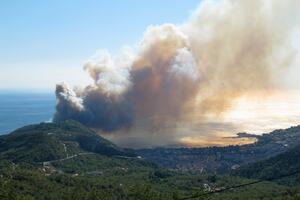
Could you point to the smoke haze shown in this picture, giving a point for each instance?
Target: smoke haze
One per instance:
(177, 73)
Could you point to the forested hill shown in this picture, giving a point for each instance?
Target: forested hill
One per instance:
(277, 166)
(52, 141)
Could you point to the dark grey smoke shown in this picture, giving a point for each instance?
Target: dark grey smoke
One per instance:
(93, 109)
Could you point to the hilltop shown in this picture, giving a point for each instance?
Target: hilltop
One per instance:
(54, 141)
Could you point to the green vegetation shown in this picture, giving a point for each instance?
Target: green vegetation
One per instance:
(52, 141)
(282, 164)
(69, 161)
(23, 181)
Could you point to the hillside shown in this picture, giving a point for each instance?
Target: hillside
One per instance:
(117, 179)
(284, 163)
(69, 161)
(223, 159)
(53, 141)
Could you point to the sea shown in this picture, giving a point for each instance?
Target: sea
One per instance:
(252, 115)
(18, 109)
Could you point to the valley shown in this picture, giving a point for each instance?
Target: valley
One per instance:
(224, 159)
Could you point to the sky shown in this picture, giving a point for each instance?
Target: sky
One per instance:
(40, 41)
(43, 43)
(40, 38)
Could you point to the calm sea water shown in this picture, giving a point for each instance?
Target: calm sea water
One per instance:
(19, 109)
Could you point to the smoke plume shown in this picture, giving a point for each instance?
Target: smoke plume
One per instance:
(226, 49)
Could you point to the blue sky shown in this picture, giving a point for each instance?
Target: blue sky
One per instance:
(44, 42)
